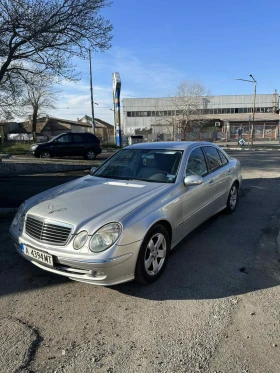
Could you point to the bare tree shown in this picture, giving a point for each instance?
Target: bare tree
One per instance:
(183, 111)
(40, 96)
(188, 103)
(39, 36)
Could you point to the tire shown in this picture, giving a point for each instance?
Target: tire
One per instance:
(147, 271)
(90, 154)
(45, 154)
(232, 198)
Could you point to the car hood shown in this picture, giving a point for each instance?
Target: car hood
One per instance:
(40, 143)
(90, 202)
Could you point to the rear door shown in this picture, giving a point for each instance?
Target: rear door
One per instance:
(198, 201)
(78, 144)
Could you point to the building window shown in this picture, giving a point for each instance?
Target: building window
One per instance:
(129, 113)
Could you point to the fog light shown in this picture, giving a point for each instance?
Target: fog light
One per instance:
(98, 274)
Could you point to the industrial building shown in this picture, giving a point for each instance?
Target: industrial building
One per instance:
(218, 117)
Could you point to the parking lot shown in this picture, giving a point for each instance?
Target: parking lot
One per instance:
(215, 309)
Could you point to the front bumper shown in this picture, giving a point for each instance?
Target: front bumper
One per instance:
(106, 272)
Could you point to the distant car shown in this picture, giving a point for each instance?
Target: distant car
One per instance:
(86, 145)
(120, 222)
(135, 139)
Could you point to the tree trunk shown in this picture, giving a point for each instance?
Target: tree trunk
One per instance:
(34, 123)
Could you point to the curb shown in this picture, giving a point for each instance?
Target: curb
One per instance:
(38, 168)
(254, 149)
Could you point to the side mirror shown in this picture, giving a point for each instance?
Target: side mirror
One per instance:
(193, 180)
(92, 170)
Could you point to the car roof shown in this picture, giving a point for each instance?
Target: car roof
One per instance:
(81, 133)
(174, 145)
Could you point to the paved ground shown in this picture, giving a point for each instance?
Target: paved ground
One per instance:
(215, 309)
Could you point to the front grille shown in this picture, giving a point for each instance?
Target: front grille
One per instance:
(47, 231)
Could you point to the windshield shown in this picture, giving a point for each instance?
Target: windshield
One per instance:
(54, 138)
(153, 165)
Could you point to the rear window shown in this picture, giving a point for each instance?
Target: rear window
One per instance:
(223, 158)
(77, 138)
(213, 158)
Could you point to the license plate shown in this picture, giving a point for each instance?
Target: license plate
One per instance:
(37, 255)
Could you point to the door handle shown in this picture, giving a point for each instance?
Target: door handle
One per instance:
(211, 182)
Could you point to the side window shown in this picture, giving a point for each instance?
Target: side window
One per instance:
(223, 158)
(77, 138)
(213, 158)
(91, 138)
(196, 163)
(63, 139)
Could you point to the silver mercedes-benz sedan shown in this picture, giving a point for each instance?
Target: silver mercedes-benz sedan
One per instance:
(120, 222)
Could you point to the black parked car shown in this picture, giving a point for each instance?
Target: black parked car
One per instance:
(86, 145)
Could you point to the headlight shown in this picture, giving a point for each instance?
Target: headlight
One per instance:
(19, 217)
(33, 147)
(105, 237)
(80, 240)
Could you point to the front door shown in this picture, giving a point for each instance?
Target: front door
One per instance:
(62, 146)
(198, 201)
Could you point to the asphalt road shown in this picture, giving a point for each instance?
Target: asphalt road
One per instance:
(215, 309)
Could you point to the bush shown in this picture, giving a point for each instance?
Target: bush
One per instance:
(15, 148)
(109, 145)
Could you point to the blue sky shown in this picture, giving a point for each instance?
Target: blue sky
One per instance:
(158, 43)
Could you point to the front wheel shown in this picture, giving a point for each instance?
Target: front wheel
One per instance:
(232, 198)
(45, 154)
(153, 255)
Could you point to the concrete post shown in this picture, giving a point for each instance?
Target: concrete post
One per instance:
(2, 134)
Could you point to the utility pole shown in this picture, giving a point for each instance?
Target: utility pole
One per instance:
(91, 93)
(254, 109)
(254, 105)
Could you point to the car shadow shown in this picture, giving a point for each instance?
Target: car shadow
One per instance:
(227, 255)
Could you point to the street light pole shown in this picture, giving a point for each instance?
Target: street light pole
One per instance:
(91, 92)
(254, 105)
(254, 109)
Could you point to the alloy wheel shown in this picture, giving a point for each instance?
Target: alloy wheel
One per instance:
(233, 197)
(91, 155)
(155, 254)
(45, 155)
